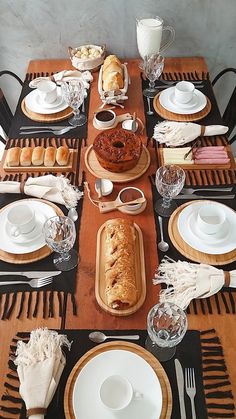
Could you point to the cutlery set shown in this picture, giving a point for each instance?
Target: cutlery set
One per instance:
(190, 388)
(57, 130)
(37, 279)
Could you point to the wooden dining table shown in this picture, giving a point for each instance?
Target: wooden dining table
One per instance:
(89, 314)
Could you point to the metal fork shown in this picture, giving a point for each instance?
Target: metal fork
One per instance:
(33, 283)
(190, 387)
(54, 131)
(191, 191)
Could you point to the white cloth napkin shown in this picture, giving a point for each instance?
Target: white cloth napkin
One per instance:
(40, 363)
(178, 133)
(65, 75)
(186, 281)
(52, 188)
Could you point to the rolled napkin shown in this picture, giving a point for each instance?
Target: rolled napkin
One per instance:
(186, 281)
(65, 75)
(52, 188)
(40, 363)
(178, 133)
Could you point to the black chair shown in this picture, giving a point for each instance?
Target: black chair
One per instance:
(229, 116)
(5, 111)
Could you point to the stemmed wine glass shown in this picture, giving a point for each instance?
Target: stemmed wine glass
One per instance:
(169, 182)
(152, 65)
(166, 326)
(60, 234)
(73, 93)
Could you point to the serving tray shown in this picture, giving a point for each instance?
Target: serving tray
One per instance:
(139, 270)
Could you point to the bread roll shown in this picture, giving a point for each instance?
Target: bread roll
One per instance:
(50, 156)
(13, 156)
(113, 67)
(62, 156)
(110, 59)
(26, 156)
(38, 156)
(113, 81)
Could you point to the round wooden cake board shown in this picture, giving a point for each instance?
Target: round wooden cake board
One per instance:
(97, 170)
(32, 256)
(55, 117)
(126, 346)
(179, 117)
(188, 251)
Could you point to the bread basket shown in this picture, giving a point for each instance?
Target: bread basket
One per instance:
(120, 94)
(87, 63)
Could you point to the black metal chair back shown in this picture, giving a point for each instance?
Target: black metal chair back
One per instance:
(5, 111)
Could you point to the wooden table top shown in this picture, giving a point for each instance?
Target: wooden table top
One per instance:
(90, 315)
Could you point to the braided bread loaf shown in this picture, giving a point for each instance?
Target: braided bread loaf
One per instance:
(120, 278)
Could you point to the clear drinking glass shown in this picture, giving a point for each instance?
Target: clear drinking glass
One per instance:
(73, 93)
(166, 326)
(60, 234)
(153, 65)
(169, 182)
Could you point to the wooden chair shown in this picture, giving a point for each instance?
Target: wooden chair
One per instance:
(229, 116)
(5, 111)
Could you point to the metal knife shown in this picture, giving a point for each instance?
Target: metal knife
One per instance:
(31, 274)
(180, 384)
(190, 197)
(44, 127)
(160, 86)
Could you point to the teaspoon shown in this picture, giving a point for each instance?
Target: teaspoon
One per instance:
(162, 245)
(99, 337)
(73, 214)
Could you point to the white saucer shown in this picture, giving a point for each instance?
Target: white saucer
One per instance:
(86, 401)
(223, 242)
(166, 100)
(42, 212)
(33, 104)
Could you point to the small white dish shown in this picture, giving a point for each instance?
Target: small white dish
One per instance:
(166, 100)
(31, 102)
(130, 194)
(224, 241)
(105, 118)
(128, 125)
(106, 187)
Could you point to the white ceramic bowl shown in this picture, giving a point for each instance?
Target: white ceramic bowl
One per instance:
(100, 116)
(135, 193)
(90, 62)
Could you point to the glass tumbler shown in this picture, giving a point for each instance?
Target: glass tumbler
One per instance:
(169, 182)
(153, 65)
(73, 93)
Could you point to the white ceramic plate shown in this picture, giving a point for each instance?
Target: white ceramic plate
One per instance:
(42, 213)
(222, 242)
(198, 102)
(33, 103)
(86, 401)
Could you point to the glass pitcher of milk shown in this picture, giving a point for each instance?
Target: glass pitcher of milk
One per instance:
(149, 36)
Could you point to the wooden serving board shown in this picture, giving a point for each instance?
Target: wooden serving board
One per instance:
(195, 166)
(125, 346)
(179, 117)
(119, 118)
(139, 271)
(97, 170)
(55, 168)
(188, 251)
(39, 117)
(32, 256)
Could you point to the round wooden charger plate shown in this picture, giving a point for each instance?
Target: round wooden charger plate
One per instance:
(188, 251)
(179, 117)
(32, 256)
(55, 117)
(153, 362)
(97, 170)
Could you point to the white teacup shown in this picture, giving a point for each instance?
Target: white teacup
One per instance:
(47, 91)
(21, 219)
(184, 91)
(116, 393)
(210, 218)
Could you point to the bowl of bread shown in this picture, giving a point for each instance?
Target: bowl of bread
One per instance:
(87, 57)
(113, 80)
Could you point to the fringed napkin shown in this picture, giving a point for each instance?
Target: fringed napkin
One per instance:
(178, 133)
(40, 363)
(65, 75)
(52, 188)
(186, 281)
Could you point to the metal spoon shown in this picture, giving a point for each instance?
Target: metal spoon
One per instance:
(98, 184)
(162, 245)
(99, 337)
(73, 214)
(149, 112)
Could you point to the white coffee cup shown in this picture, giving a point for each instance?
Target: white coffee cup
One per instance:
(47, 91)
(184, 91)
(210, 218)
(21, 219)
(116, 393)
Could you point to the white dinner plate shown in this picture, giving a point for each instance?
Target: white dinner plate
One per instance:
(86, 401)
(42, 213)
(198, 102)
(222, 242)
(32, 102)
